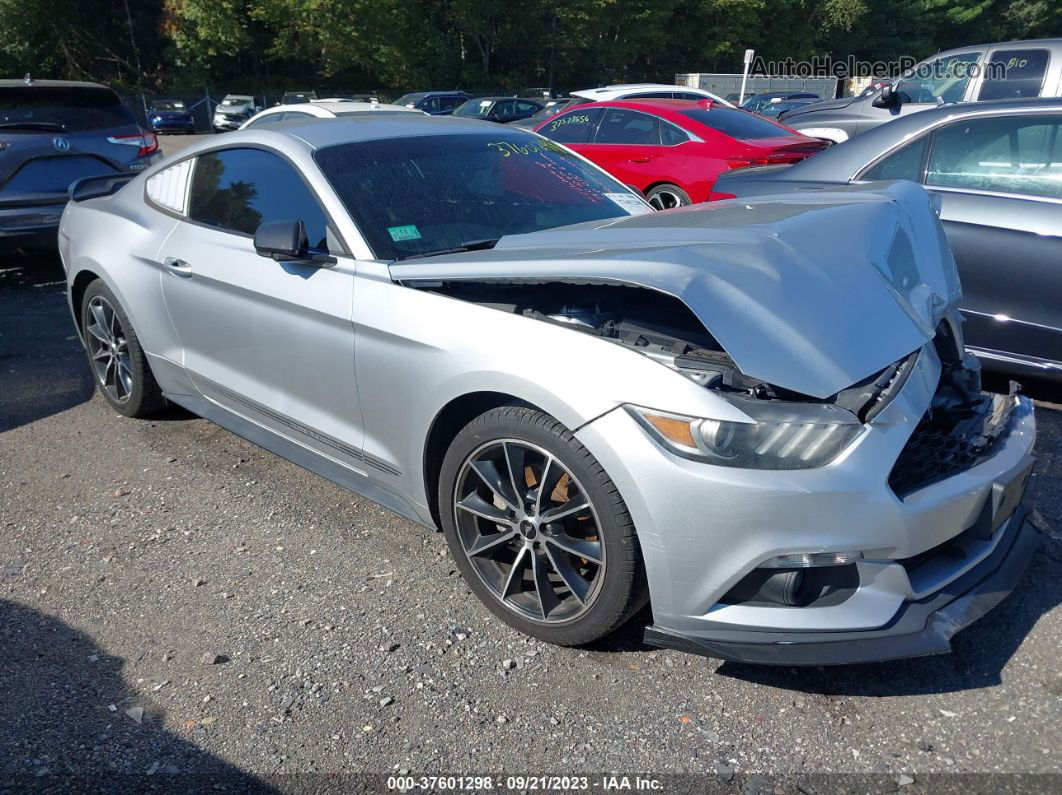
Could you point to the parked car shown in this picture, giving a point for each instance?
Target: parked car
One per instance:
(233, 111)
(1007, 70)
(672, 150)
(734, 98)
(52, 133)
(996, 169)
(548, 111)
(758, 103)
(776, 109)
(498, 109)
(434, 103)
(735, 411)
(647, 91)
(170, 115)
(297, 97)
(321, 109)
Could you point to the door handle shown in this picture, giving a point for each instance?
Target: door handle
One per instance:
(645, 159)
(178, 267)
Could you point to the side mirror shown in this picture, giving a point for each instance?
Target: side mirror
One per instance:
(887, 98)
(281, 240)
(285, 241)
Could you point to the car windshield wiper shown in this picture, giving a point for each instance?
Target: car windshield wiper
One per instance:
(31, 125)
(470, 245)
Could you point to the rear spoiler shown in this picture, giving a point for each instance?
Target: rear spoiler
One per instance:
(94, 187)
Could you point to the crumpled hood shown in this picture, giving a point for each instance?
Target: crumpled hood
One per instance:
(812, 292)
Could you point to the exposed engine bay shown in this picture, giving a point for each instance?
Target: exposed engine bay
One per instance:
(662, 327)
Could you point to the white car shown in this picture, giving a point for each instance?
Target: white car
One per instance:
(327, 109)
(648, 91)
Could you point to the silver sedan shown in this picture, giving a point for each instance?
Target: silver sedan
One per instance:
(756, 415)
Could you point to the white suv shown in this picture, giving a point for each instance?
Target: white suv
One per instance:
(647, 91)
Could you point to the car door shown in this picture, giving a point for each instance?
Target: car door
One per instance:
(627, 145)
(270, 341)
(1000, 181)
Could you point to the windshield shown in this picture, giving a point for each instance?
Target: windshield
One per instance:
(66, 108)
(940, 80)
(477, 108)
(296, 99)
(431, 194)
(739, 124)
(229, 101)
(167, 104)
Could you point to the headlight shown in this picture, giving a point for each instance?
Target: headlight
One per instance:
(783, 435)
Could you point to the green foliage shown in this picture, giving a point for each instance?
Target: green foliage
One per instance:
(491, 44)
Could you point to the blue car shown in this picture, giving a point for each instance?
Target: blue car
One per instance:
(170, 115)
(434, 103)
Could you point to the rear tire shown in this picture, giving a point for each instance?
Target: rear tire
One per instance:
(667, 196)
(118, 363)
(568, 581)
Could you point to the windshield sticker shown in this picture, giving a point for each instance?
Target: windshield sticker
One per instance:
(398, 233)
(630, 203)
(508, 149)
(571, 118)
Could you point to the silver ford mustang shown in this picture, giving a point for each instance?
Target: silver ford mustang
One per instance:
(758, 416)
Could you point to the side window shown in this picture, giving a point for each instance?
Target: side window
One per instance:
(574, 127)
(904, 163)
(670, 135)
(169, 188)
(944, 79)
(430, 105)
(689, 96)
(651, 95)
(628, 127)
(503, 109)
(525, 107)
(238, 189)
(1012, 74)
(1010, 154)
(448, 103)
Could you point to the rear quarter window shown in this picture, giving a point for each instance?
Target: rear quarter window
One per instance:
(1012, 74)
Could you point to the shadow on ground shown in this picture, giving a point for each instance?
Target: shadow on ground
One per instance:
(60, 733)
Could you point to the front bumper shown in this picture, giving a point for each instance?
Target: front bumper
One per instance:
(173, 125)
(920, 628)
(229, 122)
(19, 224)
(704, 529)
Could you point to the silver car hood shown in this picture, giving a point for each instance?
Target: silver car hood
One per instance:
(812, 292)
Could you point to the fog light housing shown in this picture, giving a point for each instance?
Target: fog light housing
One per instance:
(808, 560)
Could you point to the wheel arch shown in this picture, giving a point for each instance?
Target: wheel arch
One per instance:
(448, 422)
(78, 287)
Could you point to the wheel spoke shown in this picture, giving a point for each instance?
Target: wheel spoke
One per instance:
(515, 461)
(477, 506)
(102, 353)
(575, 582)
(488, 473)
(547, 482)
(102, 327)
(581, 548)
(514, 581)
(488, 543)
(574, 505)
(547, 598)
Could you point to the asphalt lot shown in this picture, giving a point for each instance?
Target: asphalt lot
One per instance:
(174, 599)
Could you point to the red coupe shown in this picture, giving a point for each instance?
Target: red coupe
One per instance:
(672, 150)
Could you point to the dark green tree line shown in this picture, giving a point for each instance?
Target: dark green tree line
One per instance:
(402, 44)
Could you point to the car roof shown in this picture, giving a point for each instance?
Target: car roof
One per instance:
(319, 133)
(1049, 43)
(870, 144)
(672, 105)
(11, 83)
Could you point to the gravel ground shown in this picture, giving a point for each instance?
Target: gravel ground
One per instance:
(174, 599)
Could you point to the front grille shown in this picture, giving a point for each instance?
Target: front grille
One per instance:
(945, 441)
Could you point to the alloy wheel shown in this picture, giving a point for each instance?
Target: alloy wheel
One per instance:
(109, 350)
(665, 200)
(529, 531)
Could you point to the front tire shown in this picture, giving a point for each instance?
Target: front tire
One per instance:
(118, 363)
(538, 530)
(667, 197)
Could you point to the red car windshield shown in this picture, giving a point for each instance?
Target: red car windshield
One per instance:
(738, 124)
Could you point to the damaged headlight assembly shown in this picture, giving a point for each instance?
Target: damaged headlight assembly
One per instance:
(783, 434)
